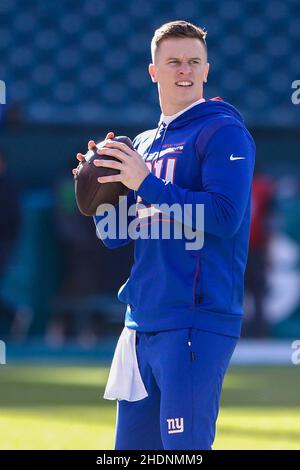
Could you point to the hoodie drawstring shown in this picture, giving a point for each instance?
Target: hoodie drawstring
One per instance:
(159, 129)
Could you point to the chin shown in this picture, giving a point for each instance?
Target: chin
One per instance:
(187, 101)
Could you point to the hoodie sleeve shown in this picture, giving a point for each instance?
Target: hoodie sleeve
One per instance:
(227, 163)
(112, 226)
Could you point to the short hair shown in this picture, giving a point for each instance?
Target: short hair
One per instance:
(177, 29)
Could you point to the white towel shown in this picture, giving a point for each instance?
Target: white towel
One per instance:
(125, 381)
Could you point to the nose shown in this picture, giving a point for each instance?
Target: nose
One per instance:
(184, 68)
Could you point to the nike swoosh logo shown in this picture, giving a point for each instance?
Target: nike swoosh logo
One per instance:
(236, 158)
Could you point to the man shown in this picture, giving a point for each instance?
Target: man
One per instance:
(257, 265)
(184, 306)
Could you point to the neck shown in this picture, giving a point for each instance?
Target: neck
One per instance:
(173, 110)
(168, 109)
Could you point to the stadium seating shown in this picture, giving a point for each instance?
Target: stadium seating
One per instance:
(86, 61)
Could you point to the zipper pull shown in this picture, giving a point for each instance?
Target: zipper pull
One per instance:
(192, 354)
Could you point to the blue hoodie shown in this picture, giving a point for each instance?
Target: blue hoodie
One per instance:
(203, 157)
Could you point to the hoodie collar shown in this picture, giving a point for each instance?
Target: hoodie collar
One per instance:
(214, 108)
(168, 119)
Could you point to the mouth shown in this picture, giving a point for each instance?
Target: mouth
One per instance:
(184, 83)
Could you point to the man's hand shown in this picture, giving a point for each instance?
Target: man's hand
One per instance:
(133, 169)
(91, 146)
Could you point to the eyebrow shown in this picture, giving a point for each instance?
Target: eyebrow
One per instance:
(192, 58)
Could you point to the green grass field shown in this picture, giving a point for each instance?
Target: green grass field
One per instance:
(61, 407)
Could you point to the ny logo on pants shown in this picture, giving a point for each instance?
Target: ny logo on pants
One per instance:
(175, 425)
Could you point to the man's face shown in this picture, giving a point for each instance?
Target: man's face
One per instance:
(180, 68)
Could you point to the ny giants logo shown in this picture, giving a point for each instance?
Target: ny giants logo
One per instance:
(175, 425)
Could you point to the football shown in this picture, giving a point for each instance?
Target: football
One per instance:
(88, 191)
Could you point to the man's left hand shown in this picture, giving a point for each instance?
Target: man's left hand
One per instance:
(133, 169)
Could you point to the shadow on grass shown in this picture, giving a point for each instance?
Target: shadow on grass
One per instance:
(259, 387)
(24, 387)
(272, 386)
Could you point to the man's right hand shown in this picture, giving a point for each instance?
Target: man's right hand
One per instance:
(91, 145)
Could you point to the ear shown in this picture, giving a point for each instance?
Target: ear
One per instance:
(207, 66)
(152, 73)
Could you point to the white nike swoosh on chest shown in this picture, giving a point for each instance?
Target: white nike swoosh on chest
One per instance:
(232, 157)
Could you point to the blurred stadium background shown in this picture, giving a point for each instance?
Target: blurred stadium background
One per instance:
(74, 70)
